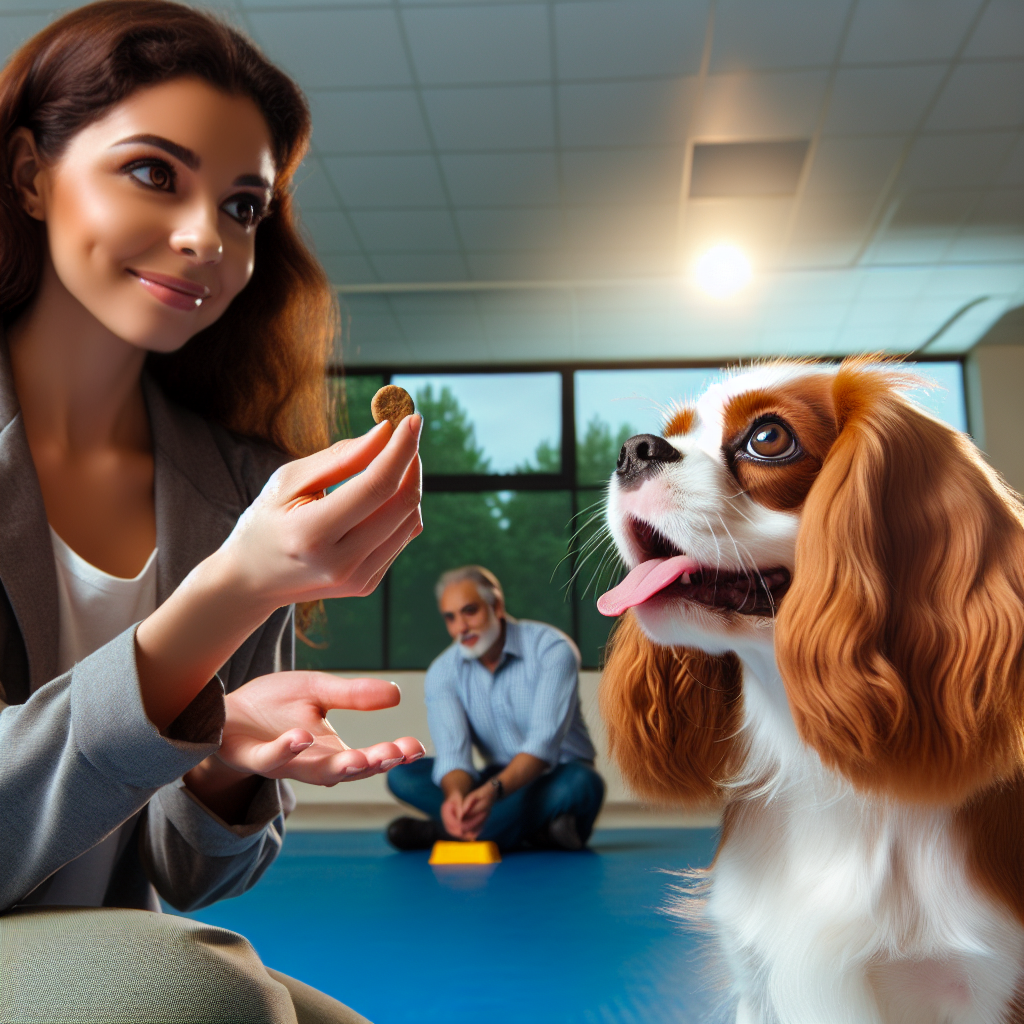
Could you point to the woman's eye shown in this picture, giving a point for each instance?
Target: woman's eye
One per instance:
(246, 209)
(154, 173)
(771, 441)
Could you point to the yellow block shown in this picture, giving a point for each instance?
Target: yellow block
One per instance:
(445, 852)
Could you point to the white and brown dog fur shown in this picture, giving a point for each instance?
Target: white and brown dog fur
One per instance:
(841, 667)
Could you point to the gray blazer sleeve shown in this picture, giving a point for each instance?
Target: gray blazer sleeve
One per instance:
(191, 856)
(80, 757)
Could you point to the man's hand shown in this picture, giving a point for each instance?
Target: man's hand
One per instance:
(463, 816)
(475, 809)
(451, 814)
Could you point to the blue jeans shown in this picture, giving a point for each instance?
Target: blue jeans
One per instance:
(571, 788)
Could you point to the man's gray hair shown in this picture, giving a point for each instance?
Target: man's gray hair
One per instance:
(486, 582)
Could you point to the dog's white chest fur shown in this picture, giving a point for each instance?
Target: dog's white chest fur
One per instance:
(829, 906)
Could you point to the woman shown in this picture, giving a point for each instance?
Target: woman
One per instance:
(166, 334)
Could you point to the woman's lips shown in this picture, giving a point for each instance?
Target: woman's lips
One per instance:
(172, 291)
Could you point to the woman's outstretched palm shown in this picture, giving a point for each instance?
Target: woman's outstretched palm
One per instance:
(277, 727)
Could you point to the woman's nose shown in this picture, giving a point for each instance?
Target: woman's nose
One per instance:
(198, 237)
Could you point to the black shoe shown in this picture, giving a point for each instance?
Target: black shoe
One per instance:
(415, 833)
(561, 833)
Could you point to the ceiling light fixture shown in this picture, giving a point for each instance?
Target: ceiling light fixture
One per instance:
(722, 271)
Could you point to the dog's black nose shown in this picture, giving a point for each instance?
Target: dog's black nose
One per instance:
(641, 456)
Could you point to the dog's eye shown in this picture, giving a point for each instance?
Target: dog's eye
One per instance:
(771, 440)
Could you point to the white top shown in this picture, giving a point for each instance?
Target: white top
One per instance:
(93, 608)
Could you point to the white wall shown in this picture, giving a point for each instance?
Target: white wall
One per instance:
(995, 392)
(360, 728)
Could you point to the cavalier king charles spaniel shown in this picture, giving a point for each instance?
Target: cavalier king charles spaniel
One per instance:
(823, 631)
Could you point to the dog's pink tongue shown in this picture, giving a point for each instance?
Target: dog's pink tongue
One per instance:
(643, 582)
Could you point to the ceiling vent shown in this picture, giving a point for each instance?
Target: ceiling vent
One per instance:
(724, 169)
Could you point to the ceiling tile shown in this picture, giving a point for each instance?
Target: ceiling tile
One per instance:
(956, 161)
(492, 117)
(434, 304)
(755, 223)
(988, 245)
(331, 232)
(860, 165)
(1001, 206)
(334, 48)
(623, 176)
(1012, 173)
(510, 231)
(626, 113)
(891, 285)
(16, 29)
(939, 207)
(502, 179)
(873, 101)
(829, 231)
(391, 181)
(923, 244)
(629, 38)
(751, 35)
(255, 5)
(989, 95)
(543, 312)
(778, 105)
(479, 44)
(312, 188)
(515, 266)
(642, 227)
(368, 121)
(370, 348)
(406, 230)
(910, 30)
(407, 266)
(347, 268)
(994, 231)
(958, 284)
(615, 263)
(1001, 32)
(795, 286)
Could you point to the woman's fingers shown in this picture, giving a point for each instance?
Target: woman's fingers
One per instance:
(362, 694)
(383, 523)
(249, 754)
(363, 578)
(411, 748)
(364, 494)
(340, 461)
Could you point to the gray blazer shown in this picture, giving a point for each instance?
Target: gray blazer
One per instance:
(78, 756)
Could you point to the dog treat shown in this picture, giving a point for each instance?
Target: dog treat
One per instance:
(392, 403)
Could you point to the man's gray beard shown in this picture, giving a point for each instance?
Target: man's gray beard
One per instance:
(487, 639)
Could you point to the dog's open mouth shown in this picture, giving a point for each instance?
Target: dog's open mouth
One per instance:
(664, 570)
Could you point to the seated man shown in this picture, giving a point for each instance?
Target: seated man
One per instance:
(510, 688)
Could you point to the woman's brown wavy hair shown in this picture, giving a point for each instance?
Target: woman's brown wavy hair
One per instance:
(259, 370)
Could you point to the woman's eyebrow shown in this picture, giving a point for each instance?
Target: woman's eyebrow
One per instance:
(184, 154)
(254, 179)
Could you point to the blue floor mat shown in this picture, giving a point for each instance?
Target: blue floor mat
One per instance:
(545, 937)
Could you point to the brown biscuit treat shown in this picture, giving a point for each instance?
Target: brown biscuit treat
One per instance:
(391, 403)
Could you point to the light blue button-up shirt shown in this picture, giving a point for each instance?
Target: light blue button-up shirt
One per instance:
(529, 705)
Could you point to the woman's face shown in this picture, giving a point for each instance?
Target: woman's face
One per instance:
(151, 212)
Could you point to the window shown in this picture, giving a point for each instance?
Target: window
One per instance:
(515, 469)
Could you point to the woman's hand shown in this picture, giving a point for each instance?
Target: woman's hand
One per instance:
(277, 727)
(294, 543)
(298, 543)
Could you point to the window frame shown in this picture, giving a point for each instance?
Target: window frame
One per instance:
(566, 479)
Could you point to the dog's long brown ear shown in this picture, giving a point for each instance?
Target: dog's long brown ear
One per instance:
(672, 714)
(901, 639)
